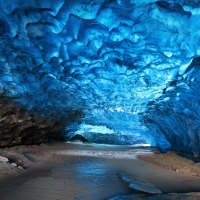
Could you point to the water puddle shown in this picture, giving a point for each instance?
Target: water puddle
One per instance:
(83, 177)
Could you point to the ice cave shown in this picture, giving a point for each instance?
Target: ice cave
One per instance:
(99, 99)
(111, 71)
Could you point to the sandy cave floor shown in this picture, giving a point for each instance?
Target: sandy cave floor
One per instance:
(73, 171)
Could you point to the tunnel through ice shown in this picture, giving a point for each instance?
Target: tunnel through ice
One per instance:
(125, 65)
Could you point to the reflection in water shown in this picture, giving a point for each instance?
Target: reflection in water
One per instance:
(95, 179)
(91, 174)
(88, 173)
(75, 179)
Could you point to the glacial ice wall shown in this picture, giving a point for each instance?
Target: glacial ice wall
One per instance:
(119, 58)
(176, 113)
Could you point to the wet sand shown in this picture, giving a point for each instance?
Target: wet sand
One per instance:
(88, 172)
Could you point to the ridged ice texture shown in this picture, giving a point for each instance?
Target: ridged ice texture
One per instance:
(177, 112)
(105, 56)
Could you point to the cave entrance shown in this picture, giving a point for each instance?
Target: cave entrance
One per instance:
(98, 135)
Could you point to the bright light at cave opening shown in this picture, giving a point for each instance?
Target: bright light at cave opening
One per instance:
(98, 135)
(94, 129)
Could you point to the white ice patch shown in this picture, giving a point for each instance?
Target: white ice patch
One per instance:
(94, 129)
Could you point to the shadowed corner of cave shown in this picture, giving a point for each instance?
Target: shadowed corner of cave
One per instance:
(124, 73)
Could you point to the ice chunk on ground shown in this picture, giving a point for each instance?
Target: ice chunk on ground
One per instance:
(139, 183)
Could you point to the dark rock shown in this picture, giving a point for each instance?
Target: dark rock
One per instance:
(78, 137)
(19, 127)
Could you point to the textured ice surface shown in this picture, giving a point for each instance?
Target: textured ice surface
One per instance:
(176, 113)
(105, 135)
(118, 62)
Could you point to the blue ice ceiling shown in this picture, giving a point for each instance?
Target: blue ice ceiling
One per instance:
(119, 62)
